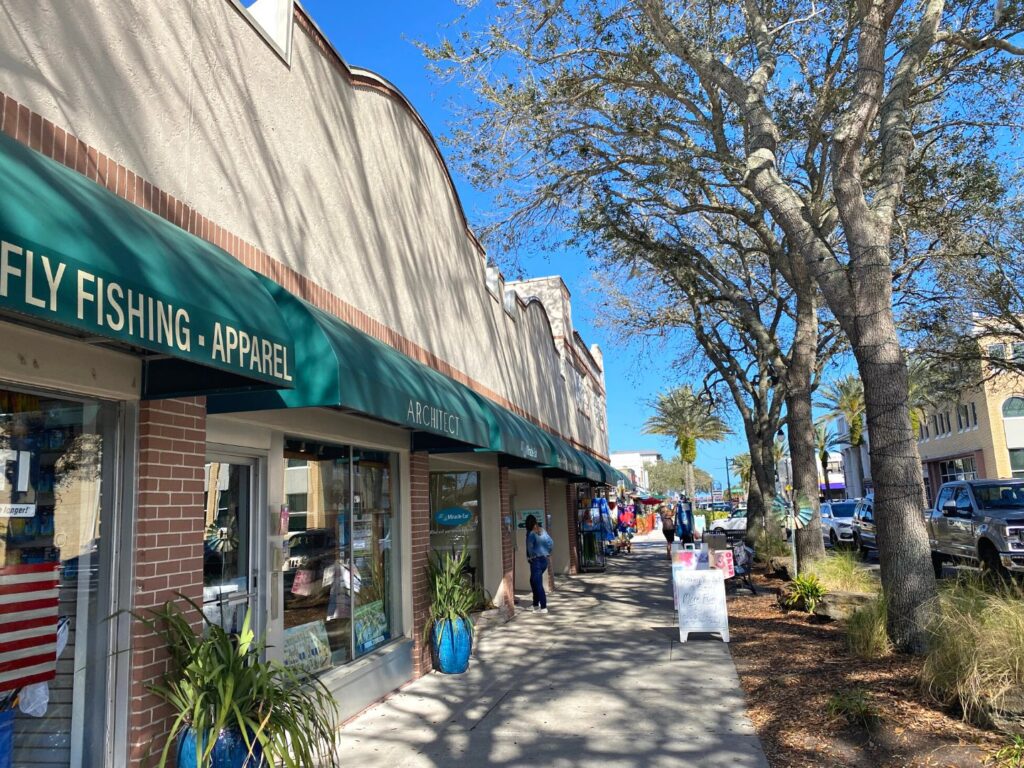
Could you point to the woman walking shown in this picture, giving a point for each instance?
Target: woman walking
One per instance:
(668, 528)
(538, 551)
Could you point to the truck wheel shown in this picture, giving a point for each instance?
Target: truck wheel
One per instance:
(938, 562)
(991, 565)
(859, 546)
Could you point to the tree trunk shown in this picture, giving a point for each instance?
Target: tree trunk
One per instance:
(857, 469)
(803, 453)
(904, 553)
(762, 490)
(691, 482)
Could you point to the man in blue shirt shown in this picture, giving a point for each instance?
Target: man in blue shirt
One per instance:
(538, 552)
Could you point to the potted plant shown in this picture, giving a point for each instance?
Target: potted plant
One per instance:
(452, 597)
(234, 708)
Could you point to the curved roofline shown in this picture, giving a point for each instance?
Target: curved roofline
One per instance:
(359, 76)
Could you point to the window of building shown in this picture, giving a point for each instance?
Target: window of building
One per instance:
(935, 425)
(996, 351)
(1013, 408)
(341, 579)
(510, 302)
(228, 575)
(272, 19)
(958, 469)
(455, 517)
(1018, 353)
(1017, 462)
(974, 415)
(949, 424)
(959, 420)
(59, 459)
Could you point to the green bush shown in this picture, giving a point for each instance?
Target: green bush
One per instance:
(1009, 756)
(805, 592)
(975, 654)
(866, 636)
(842, 572)
(854, 705)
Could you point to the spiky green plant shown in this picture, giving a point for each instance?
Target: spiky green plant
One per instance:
(219, 681)
(452, 595)
(806, 592)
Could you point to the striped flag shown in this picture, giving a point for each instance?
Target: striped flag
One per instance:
(28, 624)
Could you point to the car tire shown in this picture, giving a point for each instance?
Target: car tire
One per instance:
(858, 545)
(991, 565)
(938, 563)
(833, 540)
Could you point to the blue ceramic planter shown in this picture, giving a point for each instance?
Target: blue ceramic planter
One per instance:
(452, 644)
(229, 751)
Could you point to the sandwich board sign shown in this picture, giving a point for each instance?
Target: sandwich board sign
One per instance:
(700, 601)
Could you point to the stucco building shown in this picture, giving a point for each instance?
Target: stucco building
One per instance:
(980, 435)
(251, 352)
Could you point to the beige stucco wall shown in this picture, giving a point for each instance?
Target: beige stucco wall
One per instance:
(340, 183)
(989, 437)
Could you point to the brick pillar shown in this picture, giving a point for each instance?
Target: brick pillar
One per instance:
(570, 514)
(419, 509)
(168, 549)
(547, 527)
(507, 532)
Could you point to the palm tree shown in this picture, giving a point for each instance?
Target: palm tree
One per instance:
(825, 440)
(845, 398)
(741, 463)
(689, 418)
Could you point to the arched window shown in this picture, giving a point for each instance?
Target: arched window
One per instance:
(1013, 407)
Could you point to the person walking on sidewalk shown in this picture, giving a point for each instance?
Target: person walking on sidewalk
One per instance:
(538, 552)
(668, 528)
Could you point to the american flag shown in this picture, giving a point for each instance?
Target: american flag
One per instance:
(28, 624)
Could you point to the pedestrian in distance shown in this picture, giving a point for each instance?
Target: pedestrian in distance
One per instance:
(668, 528)
(538, 553)
(684, 521)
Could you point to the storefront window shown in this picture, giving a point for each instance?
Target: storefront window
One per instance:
(341, 566)
(958, 469)
(56, 471)
(455, 517)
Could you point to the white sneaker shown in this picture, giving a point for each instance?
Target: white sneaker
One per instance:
(542, 610)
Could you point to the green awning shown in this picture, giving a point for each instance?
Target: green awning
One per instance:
(342, 367)
(591, 468)
(75, 254)
(515, 436)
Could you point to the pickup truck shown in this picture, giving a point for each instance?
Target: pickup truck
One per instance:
(979, 522)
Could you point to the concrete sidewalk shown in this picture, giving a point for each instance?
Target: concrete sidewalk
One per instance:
(602, 680)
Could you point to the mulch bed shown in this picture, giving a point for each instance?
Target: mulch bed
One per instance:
(790, 664)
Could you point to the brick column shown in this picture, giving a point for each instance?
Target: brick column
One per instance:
(419, 509)
(547, 527)
(168, 549)
(507, 552)
(570, 514)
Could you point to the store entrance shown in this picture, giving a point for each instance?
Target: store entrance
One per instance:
(230, 541)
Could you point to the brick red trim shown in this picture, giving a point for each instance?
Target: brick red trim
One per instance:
(54, 142)
(419, 508)
(168, 550)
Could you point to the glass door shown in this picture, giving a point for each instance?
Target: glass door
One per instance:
(229, 542)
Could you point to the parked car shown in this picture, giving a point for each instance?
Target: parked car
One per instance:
(979, 522)
(310, 550)
(864, 525)
(733, 525)
(837, 522)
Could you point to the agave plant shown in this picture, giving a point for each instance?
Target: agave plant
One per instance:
(453, 596)
(221, 682)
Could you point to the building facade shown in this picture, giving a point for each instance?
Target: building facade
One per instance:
(636, 462)
(251, 353)
(981, 435)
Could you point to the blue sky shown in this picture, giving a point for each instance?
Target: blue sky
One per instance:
(379, 36)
